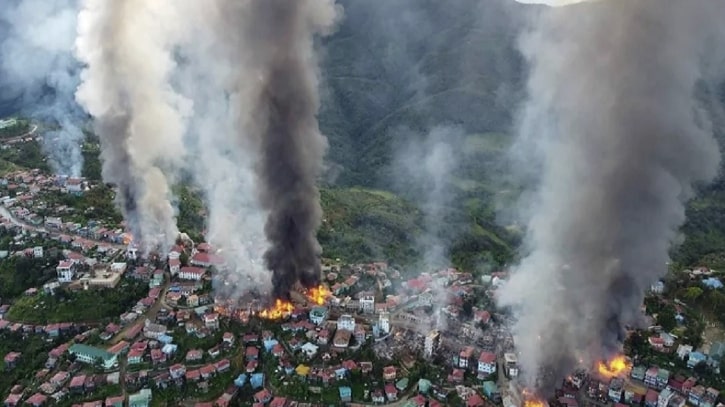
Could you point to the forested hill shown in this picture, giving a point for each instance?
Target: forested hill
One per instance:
(416, 64)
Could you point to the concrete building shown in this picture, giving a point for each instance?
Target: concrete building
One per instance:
(38, 252)
(384, 322)
(367, 304)
(65, 271)
(432, 340)
(92, 355)
(511, 363)
(346, 323)
(318, 315)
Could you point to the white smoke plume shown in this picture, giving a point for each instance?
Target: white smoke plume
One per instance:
(612, 126)
(220, 162)
(426, 168)
(127, 46)
(39, 74)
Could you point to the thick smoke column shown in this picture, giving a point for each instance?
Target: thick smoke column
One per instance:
(38, 68)
(139, 119)
(612, 118)
(279, 35)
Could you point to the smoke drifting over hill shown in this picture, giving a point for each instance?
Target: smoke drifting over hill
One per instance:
(138, 117)
(37, 67)
(612, 122)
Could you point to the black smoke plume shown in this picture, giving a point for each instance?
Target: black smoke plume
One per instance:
(280, 35)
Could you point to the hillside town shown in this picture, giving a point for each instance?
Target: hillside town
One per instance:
(372, 334)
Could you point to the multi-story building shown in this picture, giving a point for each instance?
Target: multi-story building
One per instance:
(367, 304)
(318, 315)
(511, 363)
(384, 322)
(432, 340)
(65, 271)
(191, 273)
(346, 323)
(464, 357)
(487, 363)
(92, 355)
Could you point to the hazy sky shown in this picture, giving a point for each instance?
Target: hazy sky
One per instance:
(555, 3)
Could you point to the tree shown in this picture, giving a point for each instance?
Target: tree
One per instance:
(693, 293)
(666, 319)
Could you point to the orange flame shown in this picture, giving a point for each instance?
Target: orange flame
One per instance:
(530, 399)
(127, 238)
(319, 294)
(614, 368)
(280, 310)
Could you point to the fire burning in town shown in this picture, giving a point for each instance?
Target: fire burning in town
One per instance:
(280, 310)
(616, 367)
(531, 400)
(319, 295)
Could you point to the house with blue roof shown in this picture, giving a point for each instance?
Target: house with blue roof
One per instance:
(695, 358)
(340, 373)
(241, 380)
(165, 339)
(269, 344)
(169, 349)
(712, 282)
(345, 393)
(257, 380)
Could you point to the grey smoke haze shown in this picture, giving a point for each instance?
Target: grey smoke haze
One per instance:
(38, 68)
(140, 120)
(612, 121)
(424, 170)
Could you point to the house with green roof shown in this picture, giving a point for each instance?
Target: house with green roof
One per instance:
(424, 386)
(490, 389)
(140, 399)
(93, 355)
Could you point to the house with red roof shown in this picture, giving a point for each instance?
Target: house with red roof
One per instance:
(176, 371)
(36, 400)
(278, 350)
(482, 317)
(157, 356)
(391, 392)
(389, 373)
(251, 353)
(263, 396)
(211, 320)
(13, 400)
(487, 363)
(207, 371)
(174, 266)
(135, 356)
(77, 384)
(475, 401)
(191, 273)
(222, 365)
(194, 355)
(278, 402)
(12, 359)
(193, 375)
